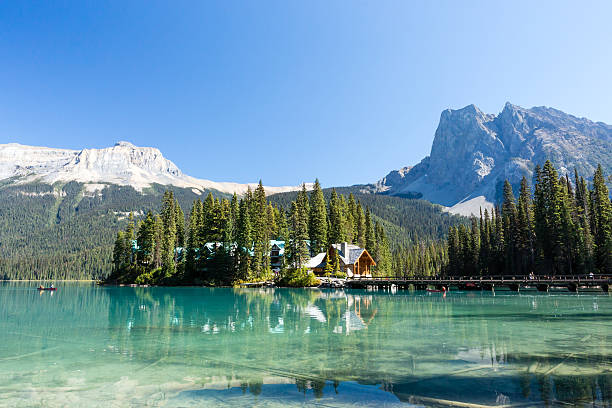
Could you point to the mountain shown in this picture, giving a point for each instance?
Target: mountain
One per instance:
(123, 164)
(60, 209)
(474, 152)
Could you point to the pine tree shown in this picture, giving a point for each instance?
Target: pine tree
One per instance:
(303, 203)
(180, 224)
(352, 219)
(474, 249)
(602, 216)
(318, 220)
(585, 239)
(158, 241)
(525, 231)
(193, 242)
(347, 227)
(329, 264)
(283, 229)
(485, 243)
(244, 241)
(146, 240)
(298, 234)
(360, 224)
(336, 220)
(168, 216)
(118, 254)
(568, 234)
(369, 232)
(383, 254)
(509, 217)
(261, 240)
(233, 220)
(454, 252)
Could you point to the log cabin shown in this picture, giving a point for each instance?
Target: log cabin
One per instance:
(353, 260)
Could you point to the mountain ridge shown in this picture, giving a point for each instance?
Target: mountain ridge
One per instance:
(122, 164)
(473, 152)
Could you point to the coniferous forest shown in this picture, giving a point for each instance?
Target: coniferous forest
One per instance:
(562, 228)
(64, 231)
(226, 241)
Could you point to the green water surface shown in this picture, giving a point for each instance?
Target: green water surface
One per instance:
(181, 347)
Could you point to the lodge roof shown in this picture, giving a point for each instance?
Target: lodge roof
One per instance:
(353, 252)
(352, 255)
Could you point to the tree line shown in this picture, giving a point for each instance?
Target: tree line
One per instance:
(563, 228)
(225, 241)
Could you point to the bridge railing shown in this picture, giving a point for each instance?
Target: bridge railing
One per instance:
(488, 278)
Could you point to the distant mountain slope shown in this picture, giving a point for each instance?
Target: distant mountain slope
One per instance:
(473, 152)
(65, 232)
(405, 221)
(123, 164)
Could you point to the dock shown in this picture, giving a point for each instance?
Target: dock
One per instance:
(573, 283)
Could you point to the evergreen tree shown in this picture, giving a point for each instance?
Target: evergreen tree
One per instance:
(454, 252)
(318, 220)
(283, 229)
(297, 254)
(525, 231)
(261, 240)
(193, 239)
(119, 253)
(244, 241)
(146, 240)
(474, 249)
(329, 264)
(509, 217)
(336, 219)
(168, 216)
(369, 232)
(360, 237)
(347, 224)
(158, 241)
(382, 251)
(602, 216)
(180, 225)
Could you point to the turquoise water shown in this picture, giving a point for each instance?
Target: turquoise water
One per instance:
(181, 347)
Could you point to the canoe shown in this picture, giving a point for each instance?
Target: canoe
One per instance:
(435, 290)
(46, 288)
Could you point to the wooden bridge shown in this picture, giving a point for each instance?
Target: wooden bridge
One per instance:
(514, 283)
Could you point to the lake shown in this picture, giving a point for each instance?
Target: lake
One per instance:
(181, 347)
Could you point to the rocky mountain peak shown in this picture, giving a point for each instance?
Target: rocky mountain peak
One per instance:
(473, 152)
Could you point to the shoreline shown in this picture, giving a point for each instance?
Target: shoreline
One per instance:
(48, 280)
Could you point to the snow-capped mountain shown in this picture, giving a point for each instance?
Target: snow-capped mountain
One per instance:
(123, 164)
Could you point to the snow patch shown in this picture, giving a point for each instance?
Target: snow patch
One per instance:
(471, 206)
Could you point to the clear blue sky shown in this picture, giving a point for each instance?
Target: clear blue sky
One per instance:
(288, 91)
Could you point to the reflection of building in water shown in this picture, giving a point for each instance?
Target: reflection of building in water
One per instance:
(359, 313)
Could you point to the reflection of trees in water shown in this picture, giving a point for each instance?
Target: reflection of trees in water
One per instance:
(246, 333)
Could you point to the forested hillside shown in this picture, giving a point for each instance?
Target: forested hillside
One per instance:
(406, 221)
(414, 228)
(563, 228)
(62, 231)
(225, 242)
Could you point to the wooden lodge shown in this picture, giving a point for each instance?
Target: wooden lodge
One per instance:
(352, 260)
